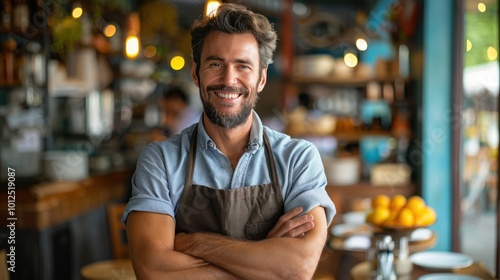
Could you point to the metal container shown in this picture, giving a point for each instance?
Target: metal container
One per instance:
(65, 165)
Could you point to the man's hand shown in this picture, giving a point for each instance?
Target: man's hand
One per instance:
(292, 224)
(183, 241)
(291, 258)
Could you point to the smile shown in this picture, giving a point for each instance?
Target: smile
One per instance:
(227, 95)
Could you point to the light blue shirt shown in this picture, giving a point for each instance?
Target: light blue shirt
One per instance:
(159, 177)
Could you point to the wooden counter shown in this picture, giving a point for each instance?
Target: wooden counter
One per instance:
(50, 203)
(352, 265)
(62, 226)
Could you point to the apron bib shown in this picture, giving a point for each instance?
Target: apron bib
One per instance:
(247, 213)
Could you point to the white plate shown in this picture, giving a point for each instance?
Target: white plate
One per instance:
(354, 218)
(357, 242)
(441, 260)
(343, 230)
(447, 276)
(421, 234)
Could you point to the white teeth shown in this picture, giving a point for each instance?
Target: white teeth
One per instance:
(227, 95)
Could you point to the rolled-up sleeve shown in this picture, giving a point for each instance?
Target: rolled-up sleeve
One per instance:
(150, 192)
(311, 199)
(308, 184)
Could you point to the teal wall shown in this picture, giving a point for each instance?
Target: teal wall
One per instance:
(436, 142)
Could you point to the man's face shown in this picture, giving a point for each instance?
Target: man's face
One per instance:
(172, 108)
(229, 77)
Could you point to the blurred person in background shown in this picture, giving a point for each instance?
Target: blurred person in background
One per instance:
(176, 114)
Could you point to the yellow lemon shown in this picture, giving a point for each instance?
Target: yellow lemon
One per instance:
(394, 215)
(427, 218)
(380, 215)
(416, 204)
(392, 220)
(390, 223)
(406, 218)
(381, 200)
(397, 202)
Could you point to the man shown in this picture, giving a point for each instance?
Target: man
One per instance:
(210, 203)
(176, 114)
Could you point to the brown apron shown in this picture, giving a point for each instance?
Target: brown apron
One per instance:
(243, 213)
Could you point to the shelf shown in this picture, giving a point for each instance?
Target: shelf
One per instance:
(346, 196)
(13, 84)
(30, 32)
(357, 135)
(352, 81)
(366, 188)
(354, 135)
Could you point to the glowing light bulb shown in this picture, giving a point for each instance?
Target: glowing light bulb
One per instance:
(150, 51)
(132, 47)
(211, 6)
(361, 44)
(77, 12)
(177, 62)
(109, 30)
(351, 60)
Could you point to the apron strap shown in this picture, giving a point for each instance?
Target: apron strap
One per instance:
(271, 164)
(191, 159)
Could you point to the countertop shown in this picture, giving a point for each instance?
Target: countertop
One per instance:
(43, 204)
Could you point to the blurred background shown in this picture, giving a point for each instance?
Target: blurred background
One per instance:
(399, 96)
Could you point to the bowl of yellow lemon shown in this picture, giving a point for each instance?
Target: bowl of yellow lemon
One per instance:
(398, 213)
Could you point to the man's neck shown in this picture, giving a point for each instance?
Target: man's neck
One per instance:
(230, 141)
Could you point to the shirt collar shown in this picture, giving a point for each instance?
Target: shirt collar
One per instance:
(255, 140)
(254, 143)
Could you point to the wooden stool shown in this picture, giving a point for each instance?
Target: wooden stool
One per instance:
(109, 270)
(120, 267)
(324, 269)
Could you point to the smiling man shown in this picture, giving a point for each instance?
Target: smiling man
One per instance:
(229, 198)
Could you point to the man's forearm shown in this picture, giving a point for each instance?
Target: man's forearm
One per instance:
(274, 258)
(153, 255)
(176, 265)
(209, 272)
(277, 258)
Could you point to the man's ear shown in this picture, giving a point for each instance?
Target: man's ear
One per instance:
(193, 74)
(263, 80)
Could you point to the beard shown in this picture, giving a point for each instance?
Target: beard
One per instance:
(229, 120)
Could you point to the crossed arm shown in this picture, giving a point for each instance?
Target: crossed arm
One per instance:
(158, 253)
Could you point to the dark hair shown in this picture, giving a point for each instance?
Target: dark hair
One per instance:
(235, 19)
(306, 100)
(175, 92)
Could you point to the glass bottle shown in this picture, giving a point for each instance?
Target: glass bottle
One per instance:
(9, 60)
(7, 15)
(21, 15)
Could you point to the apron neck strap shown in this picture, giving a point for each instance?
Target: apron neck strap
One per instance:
(191, 158)
(271, 164)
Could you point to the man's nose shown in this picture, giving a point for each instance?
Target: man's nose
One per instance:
(229, 76)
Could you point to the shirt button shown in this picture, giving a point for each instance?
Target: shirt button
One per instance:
(211, 144)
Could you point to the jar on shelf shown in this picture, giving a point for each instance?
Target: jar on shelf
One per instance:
(6, 15)
(21, 15)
